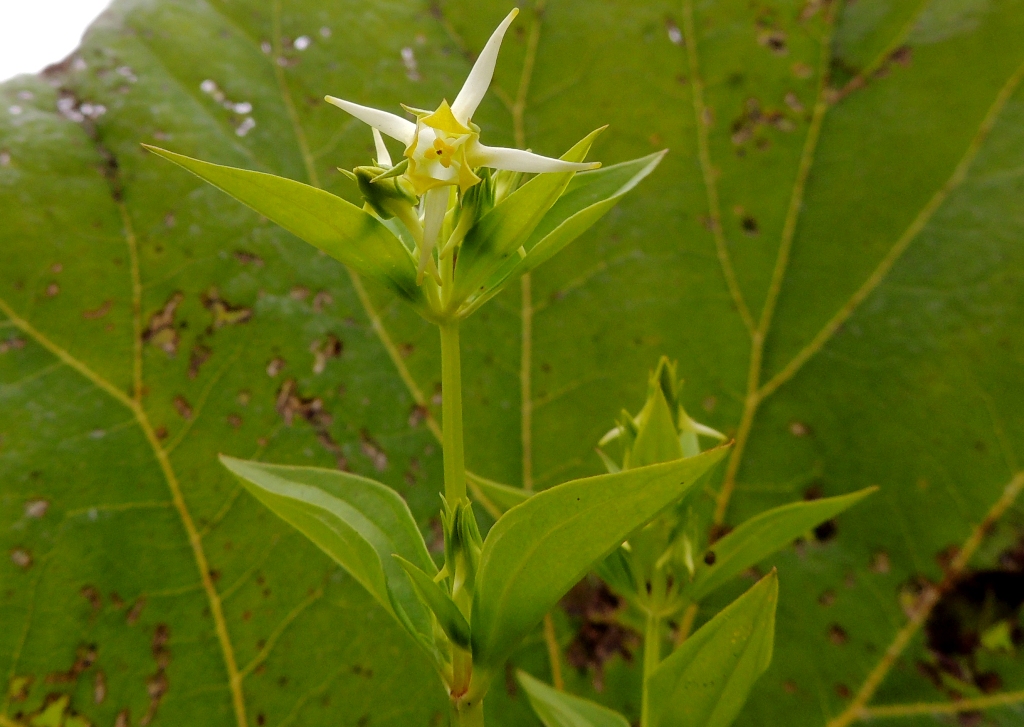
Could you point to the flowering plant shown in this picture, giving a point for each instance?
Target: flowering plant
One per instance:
(446, 229)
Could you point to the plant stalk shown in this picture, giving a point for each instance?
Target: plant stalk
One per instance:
(451, 415)
(464, 715)
(652, 657)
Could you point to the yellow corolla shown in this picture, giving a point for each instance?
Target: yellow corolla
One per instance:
(443, 147)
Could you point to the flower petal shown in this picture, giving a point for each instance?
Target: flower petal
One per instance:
(435, 207)
(383, 157)
(479, 78)
(517, 160)
(394, 126)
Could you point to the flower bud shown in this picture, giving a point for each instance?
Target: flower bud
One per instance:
(385, 193)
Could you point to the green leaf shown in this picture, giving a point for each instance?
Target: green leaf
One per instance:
(539, 549)
(559, 709)
(656, 438)
(360, 523)
(762, 535)
(586, 199)
(325, 221)
(447, 613)
(506, 227)
(705, 682)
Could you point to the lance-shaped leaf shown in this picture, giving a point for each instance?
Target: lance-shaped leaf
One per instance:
(541, 548)
(762, 535)
(451, 620)
(358, 522)
(558, 709)
(586, 199)
(325, 221)
(505, 229)
(705, 682)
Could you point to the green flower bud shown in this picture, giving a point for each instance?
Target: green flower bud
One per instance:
(383, 194)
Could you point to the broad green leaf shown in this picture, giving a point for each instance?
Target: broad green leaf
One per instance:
(447, 613)
(892, 349)
(505, 229)
(762, 535)
(559, 709)
(539, 549)
(705, 682)
(329, 223)
(360, 523)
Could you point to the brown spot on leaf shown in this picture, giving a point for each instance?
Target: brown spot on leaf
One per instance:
(290, 404)
(52, 290)
(299, 292)
(275, 366)
(234, 421)
(161, 332)
(85, 657)
(837, 635)
(322, 300)
(22, 558)
(12, 344)
(793, 101)
(843, 691)
(902, 56)
(99, 687)
(323, 351)
(827, 598)
(405, 350)
(136, 610)
(36, 508)
(98, 312)
(799, 429)
(248, 258)
(92, 595)
(182, 406)
(880, 562)
(369, 447)
(224, 314)
(200, 354)
(123, 719)
(19, 686)
(774, 40)
(417, 415)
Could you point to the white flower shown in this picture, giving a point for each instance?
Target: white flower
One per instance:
(443, 147)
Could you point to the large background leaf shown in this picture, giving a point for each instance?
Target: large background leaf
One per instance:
(856, 167)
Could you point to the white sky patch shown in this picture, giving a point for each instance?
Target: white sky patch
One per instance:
(36, 33)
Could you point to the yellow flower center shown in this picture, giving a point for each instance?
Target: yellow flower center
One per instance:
(443, 151)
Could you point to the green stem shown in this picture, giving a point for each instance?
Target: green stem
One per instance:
(652, 657)
(464, 715)
(451, 415)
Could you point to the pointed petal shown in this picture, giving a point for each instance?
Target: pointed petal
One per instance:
(479, 79)
(517, 160)
(383, 157)
(435, 206)
(394, 126)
